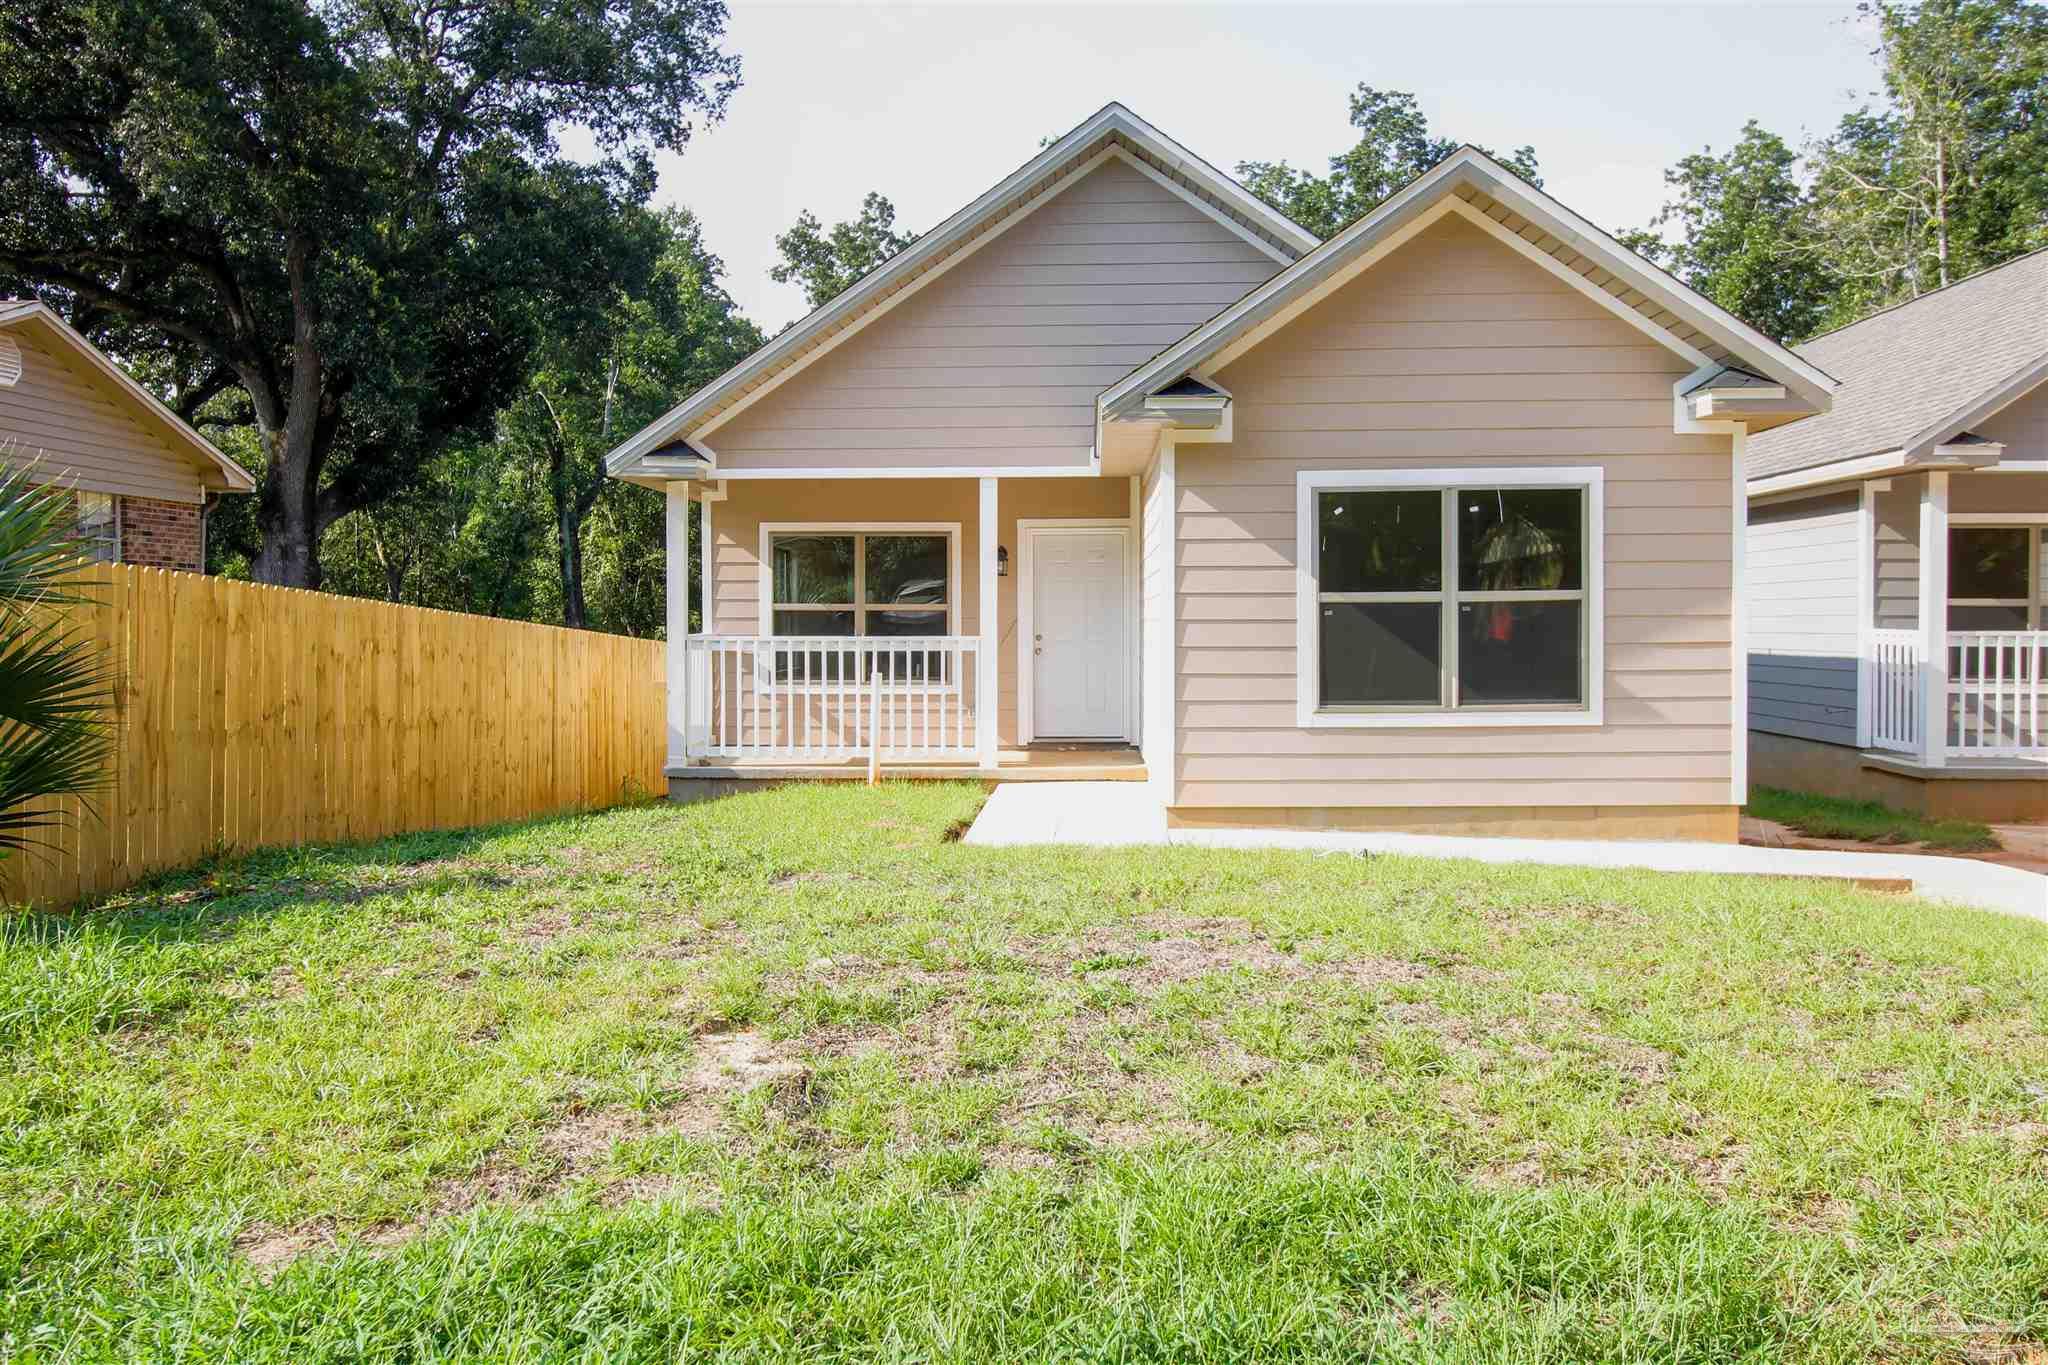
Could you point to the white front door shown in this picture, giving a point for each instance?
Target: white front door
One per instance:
(1081, 634)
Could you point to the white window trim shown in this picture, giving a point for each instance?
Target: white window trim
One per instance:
(2035, 603)
(113, 540)
(1307, 639)
(766, 629)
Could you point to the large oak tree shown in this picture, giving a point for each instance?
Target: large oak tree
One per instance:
(340, 223)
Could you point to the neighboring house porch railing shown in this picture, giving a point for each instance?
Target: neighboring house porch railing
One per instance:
(832, 698)
(1994, 703)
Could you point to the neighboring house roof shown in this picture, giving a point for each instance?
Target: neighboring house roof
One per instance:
(216, 469)
(1916, 375)
(1113, 130)
(1542, 228)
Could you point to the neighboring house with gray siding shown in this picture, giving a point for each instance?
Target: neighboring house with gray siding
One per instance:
(1898, 559)
(140, 476)
(1119, 473)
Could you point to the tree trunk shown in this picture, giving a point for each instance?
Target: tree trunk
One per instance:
(1941, 208)
(290, 556)
(569, 530)
(291, 513)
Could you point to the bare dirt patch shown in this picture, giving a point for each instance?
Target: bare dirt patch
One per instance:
(269, 1249)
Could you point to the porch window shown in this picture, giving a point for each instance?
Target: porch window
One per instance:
(1441, 597)
(859, 583)
(1994, 577)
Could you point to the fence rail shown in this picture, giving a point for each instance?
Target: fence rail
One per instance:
(832, 697)
(255, 716)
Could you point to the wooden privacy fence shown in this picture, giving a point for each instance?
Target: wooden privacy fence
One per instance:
(255, 716)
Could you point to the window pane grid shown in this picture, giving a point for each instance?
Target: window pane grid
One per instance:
(869, 617)
(1541, 544)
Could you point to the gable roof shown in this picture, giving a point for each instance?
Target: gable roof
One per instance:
(1112, 130)
(216, 470)
(1536, 224)
(1920, 372)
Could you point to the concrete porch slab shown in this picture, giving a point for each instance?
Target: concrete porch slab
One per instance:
(1107, 814)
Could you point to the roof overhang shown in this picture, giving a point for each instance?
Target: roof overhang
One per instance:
(1644, 295)
(1966, 452)
(217, 471)
(1113, 130)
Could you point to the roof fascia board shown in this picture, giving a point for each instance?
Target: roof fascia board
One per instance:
(238, 479)
(1113, 118)
(2000, 395)
(1174, 187)
(1225, 188)
(1884, 464)
(1809, 380)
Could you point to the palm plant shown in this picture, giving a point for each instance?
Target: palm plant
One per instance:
(56, 688)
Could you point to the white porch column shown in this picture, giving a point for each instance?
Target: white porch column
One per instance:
(1934, 620)
(990, 609)
(1866, 607)
(676, 542)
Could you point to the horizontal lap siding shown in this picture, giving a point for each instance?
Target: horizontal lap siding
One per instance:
(77, 428)
(1455, 351)
(1800, 575)
(1897, 569)
(997, 362)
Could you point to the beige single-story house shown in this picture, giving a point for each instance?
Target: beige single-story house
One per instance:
(142, 477)
(1898, 559)
(1436, 524)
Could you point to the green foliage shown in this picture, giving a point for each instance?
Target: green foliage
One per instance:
(1394, 146)
(1945, 176)
(1833, 817)
(1744, 235)
(56, 691)
(825, 263)
(341, 225)
(524, 522)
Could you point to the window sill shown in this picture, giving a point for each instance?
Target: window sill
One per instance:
(1313, 719)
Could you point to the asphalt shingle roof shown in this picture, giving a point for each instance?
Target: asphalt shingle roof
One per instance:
(1905, 369)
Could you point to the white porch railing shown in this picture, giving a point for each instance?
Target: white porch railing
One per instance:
(1892, 689)
(832, 698)
(1994, 693)
(1996, 680)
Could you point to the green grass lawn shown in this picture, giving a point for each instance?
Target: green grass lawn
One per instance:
(1833, 817)
(789, 1076)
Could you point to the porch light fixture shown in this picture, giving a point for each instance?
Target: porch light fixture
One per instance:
(1002, 561)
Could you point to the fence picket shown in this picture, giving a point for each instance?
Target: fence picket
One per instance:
(253, 715)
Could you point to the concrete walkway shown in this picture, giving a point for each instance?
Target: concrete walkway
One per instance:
(1109, 814)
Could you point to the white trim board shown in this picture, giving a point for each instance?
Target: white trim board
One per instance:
(1308, 482)
(1028, 529)
(1032, 471)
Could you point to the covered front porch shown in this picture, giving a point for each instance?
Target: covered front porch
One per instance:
(1954, 662)
(854, 628)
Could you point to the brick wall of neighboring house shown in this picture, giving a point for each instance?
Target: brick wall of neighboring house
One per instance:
(164, 535)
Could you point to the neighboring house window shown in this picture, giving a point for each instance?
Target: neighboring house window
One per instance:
(1994, 579)
(890, 582)
(1450, 597)
(99, 528)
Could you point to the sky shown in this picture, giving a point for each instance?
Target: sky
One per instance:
(933, 104)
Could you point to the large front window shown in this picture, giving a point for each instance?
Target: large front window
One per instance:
(884, 583)
(1435, 597)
